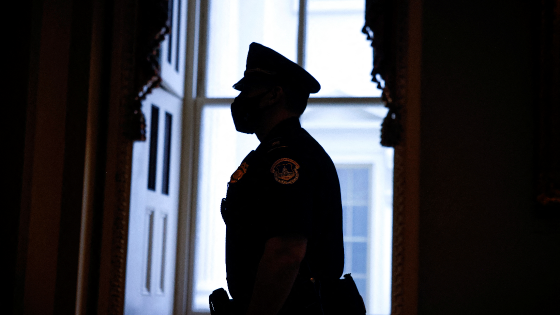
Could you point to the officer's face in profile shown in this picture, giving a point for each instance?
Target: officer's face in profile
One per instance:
(247, 108)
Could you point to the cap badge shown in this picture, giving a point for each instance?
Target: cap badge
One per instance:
(285, 171)
(241, 170)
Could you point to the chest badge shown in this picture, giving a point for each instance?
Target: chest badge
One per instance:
(241, 170)
(285, 171)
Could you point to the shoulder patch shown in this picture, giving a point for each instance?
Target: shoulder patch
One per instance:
(285, 171)
(241, 170)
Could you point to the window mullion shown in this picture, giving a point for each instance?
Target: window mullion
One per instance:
(302, 24)
(203, 48)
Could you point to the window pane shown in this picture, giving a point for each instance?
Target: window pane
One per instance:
(337, 53)
(347, 257)
(345, 228)
(359, 257)
(233, 25)
(359, 218)
(361, 185)
(361, 284)
(343, 179)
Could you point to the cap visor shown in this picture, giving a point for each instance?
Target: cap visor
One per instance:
(240, 84)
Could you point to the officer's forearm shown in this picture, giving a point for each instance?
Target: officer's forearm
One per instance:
(277, 272)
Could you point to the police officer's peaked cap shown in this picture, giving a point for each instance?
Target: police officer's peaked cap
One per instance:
(265, 64)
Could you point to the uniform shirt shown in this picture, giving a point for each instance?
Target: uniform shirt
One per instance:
(287, 186)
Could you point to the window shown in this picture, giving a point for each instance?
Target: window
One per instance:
(355, 188)
(344, 117)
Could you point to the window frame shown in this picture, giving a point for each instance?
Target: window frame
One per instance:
(195, 99)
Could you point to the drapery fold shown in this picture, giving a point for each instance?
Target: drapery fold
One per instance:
(153, 25)
(380, 30)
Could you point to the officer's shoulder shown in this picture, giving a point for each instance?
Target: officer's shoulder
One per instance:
(281, 147)
(286, 147)
(278, 144)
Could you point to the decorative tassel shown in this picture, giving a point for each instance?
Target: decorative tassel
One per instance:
(378, 25)
(154, 25)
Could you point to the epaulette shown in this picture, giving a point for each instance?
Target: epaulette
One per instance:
(276, 143)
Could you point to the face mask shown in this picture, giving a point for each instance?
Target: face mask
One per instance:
(245, 112)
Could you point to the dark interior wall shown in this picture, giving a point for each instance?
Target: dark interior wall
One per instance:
(15, 114)
(45, 146)
(482, 248)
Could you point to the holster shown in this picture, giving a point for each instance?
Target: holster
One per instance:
(219, 301)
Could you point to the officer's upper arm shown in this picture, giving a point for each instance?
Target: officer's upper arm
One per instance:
(287, 193)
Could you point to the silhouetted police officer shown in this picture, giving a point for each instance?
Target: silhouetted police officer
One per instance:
(282, 211)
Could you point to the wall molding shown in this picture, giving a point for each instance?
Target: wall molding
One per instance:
(548, 111)
(406, 47)
(119, 159)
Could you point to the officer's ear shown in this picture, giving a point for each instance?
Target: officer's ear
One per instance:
(277, 94)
